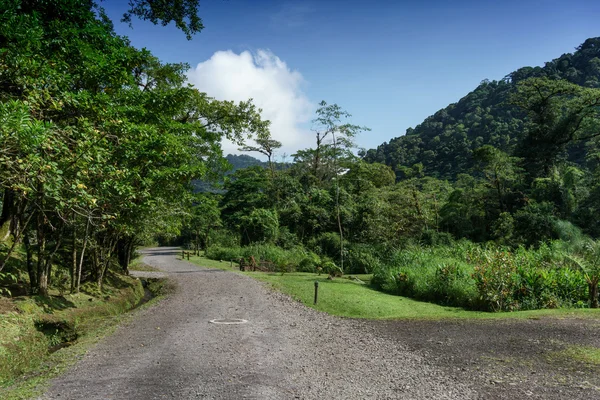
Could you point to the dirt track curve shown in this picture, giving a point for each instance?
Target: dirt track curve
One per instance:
(288, 351)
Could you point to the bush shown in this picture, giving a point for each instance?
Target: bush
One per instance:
(330, 268)
(284, 260)
(327, 244)
(497, 282)
(309, 263)
(433, 238)
(453, 285)
(223, 238)
(286, 239)
(360, 259)
(224, 253)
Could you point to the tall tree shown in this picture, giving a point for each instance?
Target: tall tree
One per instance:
(560, 112)
(266, 146)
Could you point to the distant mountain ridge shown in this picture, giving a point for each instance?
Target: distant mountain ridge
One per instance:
(444, 142)
(239, 161)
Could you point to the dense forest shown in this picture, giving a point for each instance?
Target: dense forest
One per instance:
(444, 144)
(489, 204)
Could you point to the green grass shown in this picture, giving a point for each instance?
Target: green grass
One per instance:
(140, 266)
(586, 355)
(25, 365)
(348, 298)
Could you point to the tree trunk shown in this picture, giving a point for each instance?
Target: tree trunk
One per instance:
(593, 286)
(8, 211)
(80, 267)
(16, 238)
(29, 261)
(45, 258)
(74, 258)
(106, 255)
(41, 261)
(124, 251)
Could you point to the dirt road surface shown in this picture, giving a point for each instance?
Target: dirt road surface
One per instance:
(288, 351)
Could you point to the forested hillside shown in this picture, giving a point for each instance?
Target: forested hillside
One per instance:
(445, 142)
(101, 143)
(491, 203)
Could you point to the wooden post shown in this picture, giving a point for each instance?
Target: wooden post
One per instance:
(316, 290)
(182, 254)
(188, 255)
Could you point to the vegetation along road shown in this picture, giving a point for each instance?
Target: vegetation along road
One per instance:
(286, 350)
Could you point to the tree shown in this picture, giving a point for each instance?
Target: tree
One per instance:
(559, 113)
(205, 216)
(328, 123)
(98, 138)
(183, 12)
(246, 189)
(267, 147)
(500, 171)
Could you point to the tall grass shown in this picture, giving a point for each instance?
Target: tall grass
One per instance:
(485, 277)
(464, 274)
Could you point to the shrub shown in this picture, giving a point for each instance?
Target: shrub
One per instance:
(330, 268)
(327, 244)
(309, 263)
(284, 260)
(360, 259)
(286, 239)
(223, 238)
(224, 253)
(497, 282)
(452, 285)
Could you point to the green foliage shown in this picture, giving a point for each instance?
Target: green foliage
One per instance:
(310, 263)
(330, 268)
(360, 259)
(100, 140)
(183, 13)
(261, 226)
(535, 223)
(485, 278)
(497, 282)
(327, 244)
(430, 274)
(223, 253)
(292, 259)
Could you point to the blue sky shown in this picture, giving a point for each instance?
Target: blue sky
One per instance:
(389, 63)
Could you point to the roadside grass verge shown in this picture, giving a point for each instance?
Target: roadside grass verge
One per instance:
(41, 337)
(576, 356)
(346, 297)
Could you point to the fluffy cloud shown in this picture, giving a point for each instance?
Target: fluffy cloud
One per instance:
(266, 79)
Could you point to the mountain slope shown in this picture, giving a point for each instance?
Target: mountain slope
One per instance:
(444, 142)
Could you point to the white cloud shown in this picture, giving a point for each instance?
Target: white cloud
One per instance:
(266, 79)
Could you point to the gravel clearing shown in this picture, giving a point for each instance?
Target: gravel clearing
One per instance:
(284, 351)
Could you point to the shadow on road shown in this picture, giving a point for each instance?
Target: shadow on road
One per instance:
(200, 271)
(162, 251)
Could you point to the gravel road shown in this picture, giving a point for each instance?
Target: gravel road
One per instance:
(283, 351)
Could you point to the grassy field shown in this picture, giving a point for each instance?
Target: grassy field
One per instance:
(30, 327)
(346, 297)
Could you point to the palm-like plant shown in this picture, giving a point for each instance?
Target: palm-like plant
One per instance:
(587, 259)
